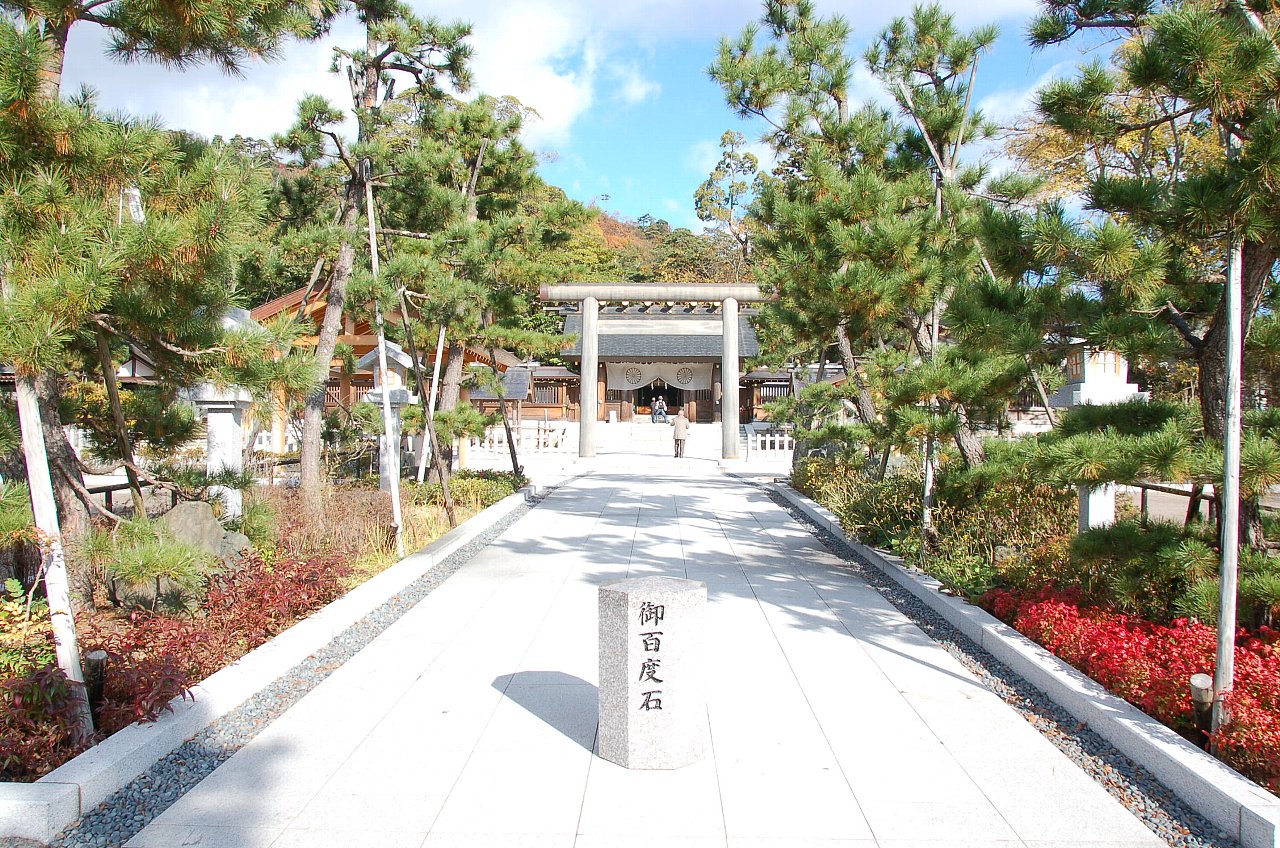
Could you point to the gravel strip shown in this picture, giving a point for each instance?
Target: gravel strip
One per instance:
(1129, 783)
(134, 806)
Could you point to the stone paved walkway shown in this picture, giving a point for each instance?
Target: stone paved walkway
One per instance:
(470, 723)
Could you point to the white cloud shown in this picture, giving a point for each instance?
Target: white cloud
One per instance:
(633, 87)
(702, 157)
(679, 215)
(259, 103)
(1007, 105)
(544, 57)
(561, 58)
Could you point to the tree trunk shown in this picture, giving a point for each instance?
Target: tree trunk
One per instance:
(1044, 396)
(866, 405)
(64, 466)
(51, 74)
(1211, 357)
(310, 458)
(451, 383)
(966, 440)
(117, 417)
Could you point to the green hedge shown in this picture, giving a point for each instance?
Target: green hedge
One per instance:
(477, 489)
(982, 531)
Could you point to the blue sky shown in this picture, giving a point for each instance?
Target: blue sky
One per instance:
(629, 119)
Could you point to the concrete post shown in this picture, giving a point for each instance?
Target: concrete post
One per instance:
(729, 378)
(589, 391)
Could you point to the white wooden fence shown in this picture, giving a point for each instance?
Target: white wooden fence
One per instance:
(529, 436)
(766, 442)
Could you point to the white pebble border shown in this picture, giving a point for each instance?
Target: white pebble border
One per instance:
(38, 811)
(1239, 807)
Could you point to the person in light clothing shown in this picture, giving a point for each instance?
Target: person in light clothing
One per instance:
(681, 432)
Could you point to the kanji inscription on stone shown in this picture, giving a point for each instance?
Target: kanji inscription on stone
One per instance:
(652, 707)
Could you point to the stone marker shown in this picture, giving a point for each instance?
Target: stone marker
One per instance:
(652, 708)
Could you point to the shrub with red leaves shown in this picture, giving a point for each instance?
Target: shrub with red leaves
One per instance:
(154, 657)
(1150, 665)
(158, 655)
(37, 724)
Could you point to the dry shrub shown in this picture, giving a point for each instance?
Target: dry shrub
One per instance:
(347, 523)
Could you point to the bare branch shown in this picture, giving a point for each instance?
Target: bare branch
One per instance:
(1156, 121)
(385, 231)
(1180, 324)
(101, 321)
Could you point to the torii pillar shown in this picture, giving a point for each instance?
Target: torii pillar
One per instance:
(591, 295)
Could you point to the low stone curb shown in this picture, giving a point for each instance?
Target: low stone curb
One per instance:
(40, 810)
(1235, 804)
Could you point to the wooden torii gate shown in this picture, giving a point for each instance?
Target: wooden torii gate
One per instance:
(589, 297)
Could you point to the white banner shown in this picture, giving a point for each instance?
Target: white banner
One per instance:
(679, 375)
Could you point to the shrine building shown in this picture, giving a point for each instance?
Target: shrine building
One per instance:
(636, 342)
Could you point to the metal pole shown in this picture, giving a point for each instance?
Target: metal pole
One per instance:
(1224, 671)
(392, 440)
(588, 393)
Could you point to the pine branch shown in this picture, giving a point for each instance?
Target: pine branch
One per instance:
(87, 497)
(101, 321)
(964, 120)
(1180, 324)
(342, 151)
(911, 110)
(1157, 121)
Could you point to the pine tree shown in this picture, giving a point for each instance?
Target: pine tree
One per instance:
(64, 266)
(858, 247)
(417, 52)
(1147, 131)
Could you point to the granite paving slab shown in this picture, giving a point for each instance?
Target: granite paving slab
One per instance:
(831, 719)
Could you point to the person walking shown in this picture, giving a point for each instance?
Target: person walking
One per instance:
(681, 432)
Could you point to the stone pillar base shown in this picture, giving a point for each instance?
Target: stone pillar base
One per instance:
(652, 708)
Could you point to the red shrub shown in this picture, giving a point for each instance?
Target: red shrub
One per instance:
(1150, 665)
(37, 724)
(154, 657)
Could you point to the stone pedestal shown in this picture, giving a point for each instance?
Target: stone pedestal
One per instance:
(652, 707)
(224, 439)
(389, 443)
(1097, 506)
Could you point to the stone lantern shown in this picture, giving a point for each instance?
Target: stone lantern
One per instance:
(1097, 377)
(399, 396)
(224, 409)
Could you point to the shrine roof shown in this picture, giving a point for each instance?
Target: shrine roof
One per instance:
(664, 333)
(515, 385)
